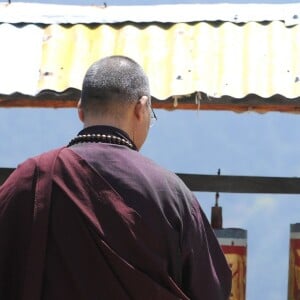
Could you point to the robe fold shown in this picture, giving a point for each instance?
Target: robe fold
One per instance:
(120, 227)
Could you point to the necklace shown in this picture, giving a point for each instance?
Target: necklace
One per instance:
(100, 138)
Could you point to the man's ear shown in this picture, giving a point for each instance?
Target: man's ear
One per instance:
(141, 107)
(80, 111)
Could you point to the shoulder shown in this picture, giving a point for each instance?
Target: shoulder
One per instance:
(164, 181)
(163, 176)
(22, 174)
(16, 193)
(46, 156)
(22, 178)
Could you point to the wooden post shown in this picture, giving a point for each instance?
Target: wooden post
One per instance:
(234, 244)
(294, 263)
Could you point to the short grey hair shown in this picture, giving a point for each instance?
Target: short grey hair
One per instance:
(114, 79)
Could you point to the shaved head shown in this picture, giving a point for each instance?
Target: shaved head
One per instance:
(112, 82)
(115, 92)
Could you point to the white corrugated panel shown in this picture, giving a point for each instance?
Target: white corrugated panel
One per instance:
(20, 58)
(61, 14)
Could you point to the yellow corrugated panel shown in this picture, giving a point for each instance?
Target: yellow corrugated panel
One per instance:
(218, 59)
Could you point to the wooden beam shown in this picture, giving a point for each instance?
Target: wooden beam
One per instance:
(45, 99)
(250, 102)
(199, 101)
(226, 184)
(242, 184)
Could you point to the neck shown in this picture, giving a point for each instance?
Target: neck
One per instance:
(124, 126)
(103, 134)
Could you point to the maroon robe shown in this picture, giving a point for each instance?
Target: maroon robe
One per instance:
(120, 227)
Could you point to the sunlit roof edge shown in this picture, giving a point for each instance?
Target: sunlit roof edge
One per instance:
(33, 13)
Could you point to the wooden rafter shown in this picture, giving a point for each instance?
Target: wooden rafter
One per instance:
(48, 99)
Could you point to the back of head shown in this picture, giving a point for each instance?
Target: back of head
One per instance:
(112, 83)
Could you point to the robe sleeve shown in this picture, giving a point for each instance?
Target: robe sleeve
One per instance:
(16, 206)
(206, 274)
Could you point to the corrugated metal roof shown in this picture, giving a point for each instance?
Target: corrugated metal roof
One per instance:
(175, 13)
(216, 58)
(180, 59)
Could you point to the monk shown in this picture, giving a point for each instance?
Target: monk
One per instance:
(97, 220)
